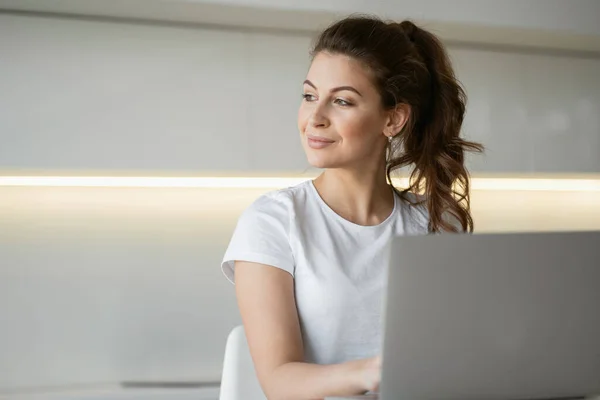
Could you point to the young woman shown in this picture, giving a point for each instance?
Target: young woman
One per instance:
(309, 261)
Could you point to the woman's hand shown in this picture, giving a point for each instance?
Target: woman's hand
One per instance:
(369, 374)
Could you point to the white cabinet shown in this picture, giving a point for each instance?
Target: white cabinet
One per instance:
(82, 95)
(495, 109)
(563, 112)
(533, 112)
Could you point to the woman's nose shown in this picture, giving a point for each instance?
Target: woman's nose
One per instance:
(318, 118)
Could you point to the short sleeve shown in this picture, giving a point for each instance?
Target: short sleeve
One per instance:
(261, 236)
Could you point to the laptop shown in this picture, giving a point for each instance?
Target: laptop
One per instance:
(492, 317)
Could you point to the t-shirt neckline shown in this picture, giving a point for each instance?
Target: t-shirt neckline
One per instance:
(335, 215)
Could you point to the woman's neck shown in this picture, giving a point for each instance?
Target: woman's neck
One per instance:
(361, 196)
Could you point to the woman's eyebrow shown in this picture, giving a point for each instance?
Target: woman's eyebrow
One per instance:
(336, 89)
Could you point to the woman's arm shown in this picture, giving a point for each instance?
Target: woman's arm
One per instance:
(267, 304)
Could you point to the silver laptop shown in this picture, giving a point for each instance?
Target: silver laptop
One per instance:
(492, 317)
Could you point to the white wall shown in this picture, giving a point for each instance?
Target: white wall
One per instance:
(109, 285)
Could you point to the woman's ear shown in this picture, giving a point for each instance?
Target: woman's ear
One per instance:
(397, 118)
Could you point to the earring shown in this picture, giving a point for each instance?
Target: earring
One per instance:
(390, 139)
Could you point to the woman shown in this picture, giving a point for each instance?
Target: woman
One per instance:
(310, 260)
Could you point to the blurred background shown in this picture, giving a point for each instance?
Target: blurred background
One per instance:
(134, 132)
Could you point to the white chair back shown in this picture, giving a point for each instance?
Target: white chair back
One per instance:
(239, 381)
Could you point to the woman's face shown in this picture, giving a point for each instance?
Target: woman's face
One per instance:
(341, 118)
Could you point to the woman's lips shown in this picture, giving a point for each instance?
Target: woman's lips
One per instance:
(317, 142)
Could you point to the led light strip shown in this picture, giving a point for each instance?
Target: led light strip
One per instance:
(536, 184)
(496, 184)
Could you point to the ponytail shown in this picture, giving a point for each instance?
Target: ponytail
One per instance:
(431, 142)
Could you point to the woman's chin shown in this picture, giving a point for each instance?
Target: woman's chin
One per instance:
(319, 162)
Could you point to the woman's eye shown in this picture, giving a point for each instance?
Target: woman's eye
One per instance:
(342, 102)
(308, 97)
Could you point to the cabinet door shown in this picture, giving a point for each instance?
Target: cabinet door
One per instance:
(496, 113)
(563, 112)
(89, 95)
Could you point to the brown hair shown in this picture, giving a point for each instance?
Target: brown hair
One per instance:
(410, 66)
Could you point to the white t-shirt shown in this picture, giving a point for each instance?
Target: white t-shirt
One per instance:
(339, 267)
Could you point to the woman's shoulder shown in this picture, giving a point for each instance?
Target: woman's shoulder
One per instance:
(281, 201)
